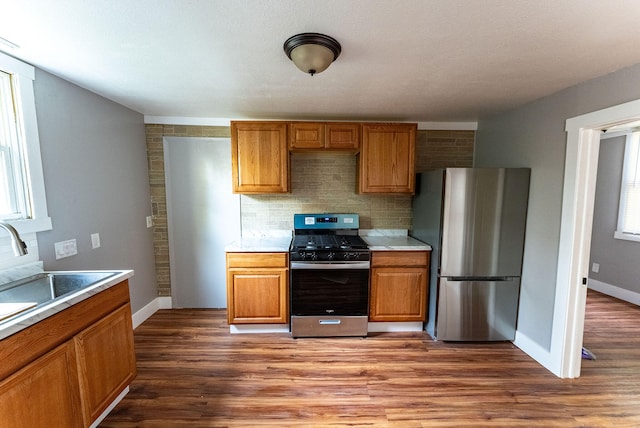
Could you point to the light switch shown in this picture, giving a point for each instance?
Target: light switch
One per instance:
(149, 221)
(95, 240)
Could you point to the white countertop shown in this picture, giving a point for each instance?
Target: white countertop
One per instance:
(392, 240)
(256, 241)
(279, 241)
(260, 245)
(395, 243)
(30, 317)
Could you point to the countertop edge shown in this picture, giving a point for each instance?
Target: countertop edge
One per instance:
(395, 243)
(28, 318)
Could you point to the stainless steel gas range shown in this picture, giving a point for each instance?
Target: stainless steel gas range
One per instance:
(329, 268)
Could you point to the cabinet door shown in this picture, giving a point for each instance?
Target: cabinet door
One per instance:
(387, 158)
(106, 360)
(43, 394)
(398, 294)
(306, 135)
(257, 296)
(342, 136)
(259, 157)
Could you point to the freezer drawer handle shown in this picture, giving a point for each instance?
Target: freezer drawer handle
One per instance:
(329, 322)
(481, 278)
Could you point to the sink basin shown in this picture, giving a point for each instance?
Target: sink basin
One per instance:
(45, 287)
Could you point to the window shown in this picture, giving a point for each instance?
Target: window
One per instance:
(12, 191)
(629, 209)
(22, 197)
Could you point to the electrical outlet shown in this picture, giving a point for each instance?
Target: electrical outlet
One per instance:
(65, 249)
(149, 221)
(595, 267)
(95, 240)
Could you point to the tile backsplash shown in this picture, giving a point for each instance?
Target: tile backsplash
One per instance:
(324, 182)
(320, 182)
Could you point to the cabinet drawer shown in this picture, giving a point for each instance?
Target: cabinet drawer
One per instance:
(400, 258)
(251, 260)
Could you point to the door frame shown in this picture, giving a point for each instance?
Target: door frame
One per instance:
(581, 162)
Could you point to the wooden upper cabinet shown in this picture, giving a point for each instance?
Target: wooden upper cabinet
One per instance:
(324, 135)
(343, 136)
(306, 135)
(259, 157)
(386, 163)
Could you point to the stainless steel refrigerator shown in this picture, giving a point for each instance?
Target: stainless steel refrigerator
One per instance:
(474, 219)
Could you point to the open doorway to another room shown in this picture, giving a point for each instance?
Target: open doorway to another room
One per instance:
(613, 268)
(583, 144)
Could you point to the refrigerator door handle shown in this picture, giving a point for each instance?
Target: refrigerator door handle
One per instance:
(481, 278)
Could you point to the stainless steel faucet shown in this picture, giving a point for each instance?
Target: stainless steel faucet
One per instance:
(19, 247)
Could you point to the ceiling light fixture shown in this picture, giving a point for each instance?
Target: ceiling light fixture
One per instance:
(312, 52)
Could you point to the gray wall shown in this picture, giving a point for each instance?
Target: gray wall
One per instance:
(533, 136)
(95, 171)
(618, 258)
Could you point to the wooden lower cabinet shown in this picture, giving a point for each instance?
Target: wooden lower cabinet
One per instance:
(43, 394)
(257, 288)
(399, 284)
(65, 370)
(106, 360)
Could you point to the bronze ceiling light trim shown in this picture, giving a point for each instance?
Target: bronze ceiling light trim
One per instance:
(312, 52)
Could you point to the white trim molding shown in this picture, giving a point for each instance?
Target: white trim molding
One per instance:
(388, 327)
(258, 328)
(583, 143)
(615, 291)
(220, 121)
(151, 308)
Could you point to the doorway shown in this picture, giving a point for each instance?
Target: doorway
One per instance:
(583, 142)
(203, 218)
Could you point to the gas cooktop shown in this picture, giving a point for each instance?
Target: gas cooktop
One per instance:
(328, 242)
(327, 238)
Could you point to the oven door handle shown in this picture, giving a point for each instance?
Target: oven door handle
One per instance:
(329, 266)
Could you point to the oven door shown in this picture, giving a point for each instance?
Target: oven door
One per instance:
(329, 288)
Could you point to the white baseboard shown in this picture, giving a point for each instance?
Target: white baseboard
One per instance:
(111, 406)
(614, 291)
(258, 328)
(388, 327)
(158, 303)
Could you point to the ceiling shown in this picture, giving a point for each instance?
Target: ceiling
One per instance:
(407, 60)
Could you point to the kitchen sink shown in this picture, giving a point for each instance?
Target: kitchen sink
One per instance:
(43, 288)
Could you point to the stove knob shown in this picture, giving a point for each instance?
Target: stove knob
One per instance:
(331, 255)
(302, 255)
(314, 256)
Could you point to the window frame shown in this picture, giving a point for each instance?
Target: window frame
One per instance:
(22, 78)
(620, 233)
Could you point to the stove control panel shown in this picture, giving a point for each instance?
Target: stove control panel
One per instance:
(326, 221)
(329, 256)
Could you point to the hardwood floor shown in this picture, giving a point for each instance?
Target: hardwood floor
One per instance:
(193, 373)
